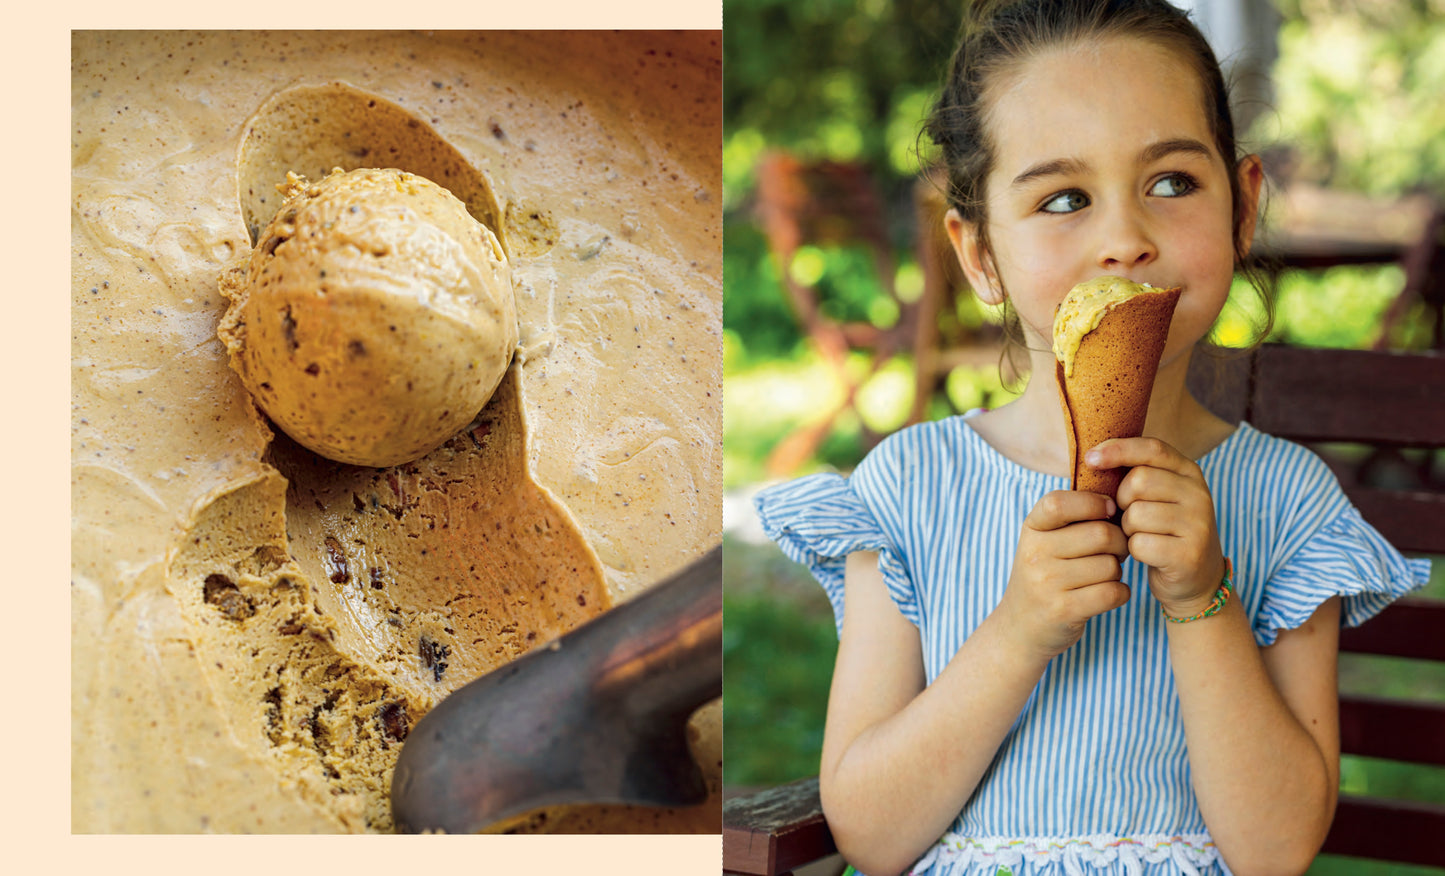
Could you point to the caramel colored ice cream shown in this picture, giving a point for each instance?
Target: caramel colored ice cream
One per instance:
(257, 628)
(374, 318)
(1082, 311)
(1108, 336)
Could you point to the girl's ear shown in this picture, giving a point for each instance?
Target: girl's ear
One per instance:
(1251, 181)
(973, 257)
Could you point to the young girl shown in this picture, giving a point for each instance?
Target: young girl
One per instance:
(1021, 684)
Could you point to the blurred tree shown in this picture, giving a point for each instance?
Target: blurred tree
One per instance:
(846, 80)
(842, 80)
(1358, 94)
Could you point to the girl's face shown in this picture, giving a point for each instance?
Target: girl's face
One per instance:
(1105, 164)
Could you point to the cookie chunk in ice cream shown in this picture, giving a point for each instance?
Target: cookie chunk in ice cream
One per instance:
(375, 316)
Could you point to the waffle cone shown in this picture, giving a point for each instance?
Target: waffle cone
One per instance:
(1108, 394)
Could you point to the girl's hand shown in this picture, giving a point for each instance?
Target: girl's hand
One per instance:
(1168, 519)
(1065, 571)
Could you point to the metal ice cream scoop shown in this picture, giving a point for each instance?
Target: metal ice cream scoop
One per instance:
(597, 716)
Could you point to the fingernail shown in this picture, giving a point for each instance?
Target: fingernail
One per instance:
(1110, 506)
(1093, 457)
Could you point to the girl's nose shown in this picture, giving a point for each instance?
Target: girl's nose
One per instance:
(1125, 241)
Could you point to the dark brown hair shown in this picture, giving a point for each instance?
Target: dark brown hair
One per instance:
(999, 35)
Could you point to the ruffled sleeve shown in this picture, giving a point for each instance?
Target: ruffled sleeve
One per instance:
(818, 520)
(1329, 550)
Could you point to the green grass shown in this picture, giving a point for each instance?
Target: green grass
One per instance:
(1339, 865)
(778, 649)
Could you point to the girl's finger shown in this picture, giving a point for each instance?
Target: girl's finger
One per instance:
(1095, 570)
(1145, 483)
(1095, 599)
(1152, 452)
(1156, 550)
(1164, 518)
(1062, 507)
(1091, 538)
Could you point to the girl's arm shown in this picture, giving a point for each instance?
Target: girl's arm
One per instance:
(900, 760)
(1261, 724)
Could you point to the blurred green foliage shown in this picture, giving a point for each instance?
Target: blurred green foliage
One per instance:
(842, 80)
(1358, 90)
(1341, 307)
(767, 400)
(1338, 865)
(846, 80)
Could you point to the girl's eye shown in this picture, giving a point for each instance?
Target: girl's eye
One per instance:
(1066, 202)
(1174, 185)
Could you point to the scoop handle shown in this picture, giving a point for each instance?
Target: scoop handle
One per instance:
(663, 654)
(596, 716)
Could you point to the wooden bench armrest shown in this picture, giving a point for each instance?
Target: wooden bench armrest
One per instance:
(772, 831)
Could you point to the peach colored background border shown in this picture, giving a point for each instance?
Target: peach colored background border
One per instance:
(35, 346)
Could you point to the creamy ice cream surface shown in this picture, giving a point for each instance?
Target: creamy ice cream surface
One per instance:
(374, 318)
(1083, 309)
(256, 628)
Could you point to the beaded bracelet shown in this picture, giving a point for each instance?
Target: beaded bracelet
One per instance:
(1221, 596)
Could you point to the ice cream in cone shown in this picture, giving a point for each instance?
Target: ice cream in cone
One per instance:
(1108, 336)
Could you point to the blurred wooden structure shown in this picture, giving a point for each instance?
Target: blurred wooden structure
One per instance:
(1394, 403)
(1315, 228)
(826, 203)
(831, 203)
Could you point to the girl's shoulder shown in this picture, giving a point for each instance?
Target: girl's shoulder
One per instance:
(1265, 475)
(1296, 538)
(1268, 459)
(931, 449)
(930, 433)
(882, 471)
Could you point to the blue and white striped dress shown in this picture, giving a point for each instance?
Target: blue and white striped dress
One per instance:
(1093, 777)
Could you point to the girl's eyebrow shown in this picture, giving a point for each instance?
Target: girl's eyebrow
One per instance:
(1165, 148)
(1152, 153)
(1052, 167)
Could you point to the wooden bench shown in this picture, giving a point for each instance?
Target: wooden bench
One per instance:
(1393, 404)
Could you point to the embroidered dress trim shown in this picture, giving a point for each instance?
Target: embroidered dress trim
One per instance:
(1190, 852)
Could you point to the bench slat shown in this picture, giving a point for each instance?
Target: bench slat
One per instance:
(775, 830)
(1410, 627)
(1394, 729)
(1411, 520)
(1389, 830)
(1349, 395)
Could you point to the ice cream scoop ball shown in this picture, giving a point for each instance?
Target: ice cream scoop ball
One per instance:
(374, 318)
